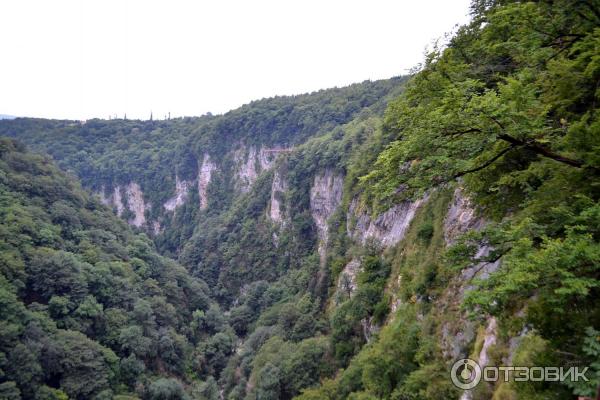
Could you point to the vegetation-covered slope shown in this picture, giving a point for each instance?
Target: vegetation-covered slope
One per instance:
(152, 153)
(510, 110)
(357, 254)
(268, 285)
(88, 308)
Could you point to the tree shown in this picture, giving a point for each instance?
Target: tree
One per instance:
(268, 383)
(85, 367)
(9, 391)
(57, 273)
(166, 389)
(240, 318)
(130, 369)
(456, 122)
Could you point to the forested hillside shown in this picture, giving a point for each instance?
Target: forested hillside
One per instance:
(346, 244)
(146, 168)
(88, 308)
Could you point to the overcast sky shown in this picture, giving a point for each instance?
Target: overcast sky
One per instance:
(83, 59)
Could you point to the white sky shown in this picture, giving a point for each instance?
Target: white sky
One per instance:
(83, 59)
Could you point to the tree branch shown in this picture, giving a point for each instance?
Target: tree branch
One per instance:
(536, 148)
(463, 132)
(514, 143)
(487, 163)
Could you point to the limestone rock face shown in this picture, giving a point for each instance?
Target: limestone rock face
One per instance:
(461, 217)
(205, 170)
(250, 162)
(136, 204)
(113, 200)
(387, 228)
(325, 197)
(489, 339)
(483, 358)
(278, 189)
(347, 282)
(181, 194)
(369, 328)
(156, 228)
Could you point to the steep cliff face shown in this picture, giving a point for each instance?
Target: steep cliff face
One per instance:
(250, 162)
(134, 202)
(112, 200)
(347, 282)
(325, 197)
(456, 336)
(461, 217)
(488, 337)
(387, 228)
(205, 171)
(181, 193)
(169, 159)
(278, 189)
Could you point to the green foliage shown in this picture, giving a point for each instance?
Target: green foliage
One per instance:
(533, 351)
(404, 359)
(9, 391)
(87, 305)
(166, 389)
(425, 232)
(104, 154)
(282, 368)
(497, 124)
(507, 110)
(567, 266)
(591, 350)
(369, 301)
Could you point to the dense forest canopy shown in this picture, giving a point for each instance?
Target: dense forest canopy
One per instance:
(350, 243)
(105, 153)
(87, 305)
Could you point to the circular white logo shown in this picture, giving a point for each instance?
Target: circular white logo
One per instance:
(465, 374)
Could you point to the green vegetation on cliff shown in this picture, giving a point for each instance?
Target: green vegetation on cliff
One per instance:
(88, 308)
(406, 223)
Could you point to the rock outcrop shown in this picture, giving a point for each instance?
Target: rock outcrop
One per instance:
(156, 228)
(325, 197)
(387, 228)
(456, 337)
(136, 204)
(461, 217)
(250, 163)
(489, 339)
(347, 282)
(278, 189)
(483, 358)
(369, 328)
(205, 170)
(181, 194)
(113, 200)
(246, 171)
